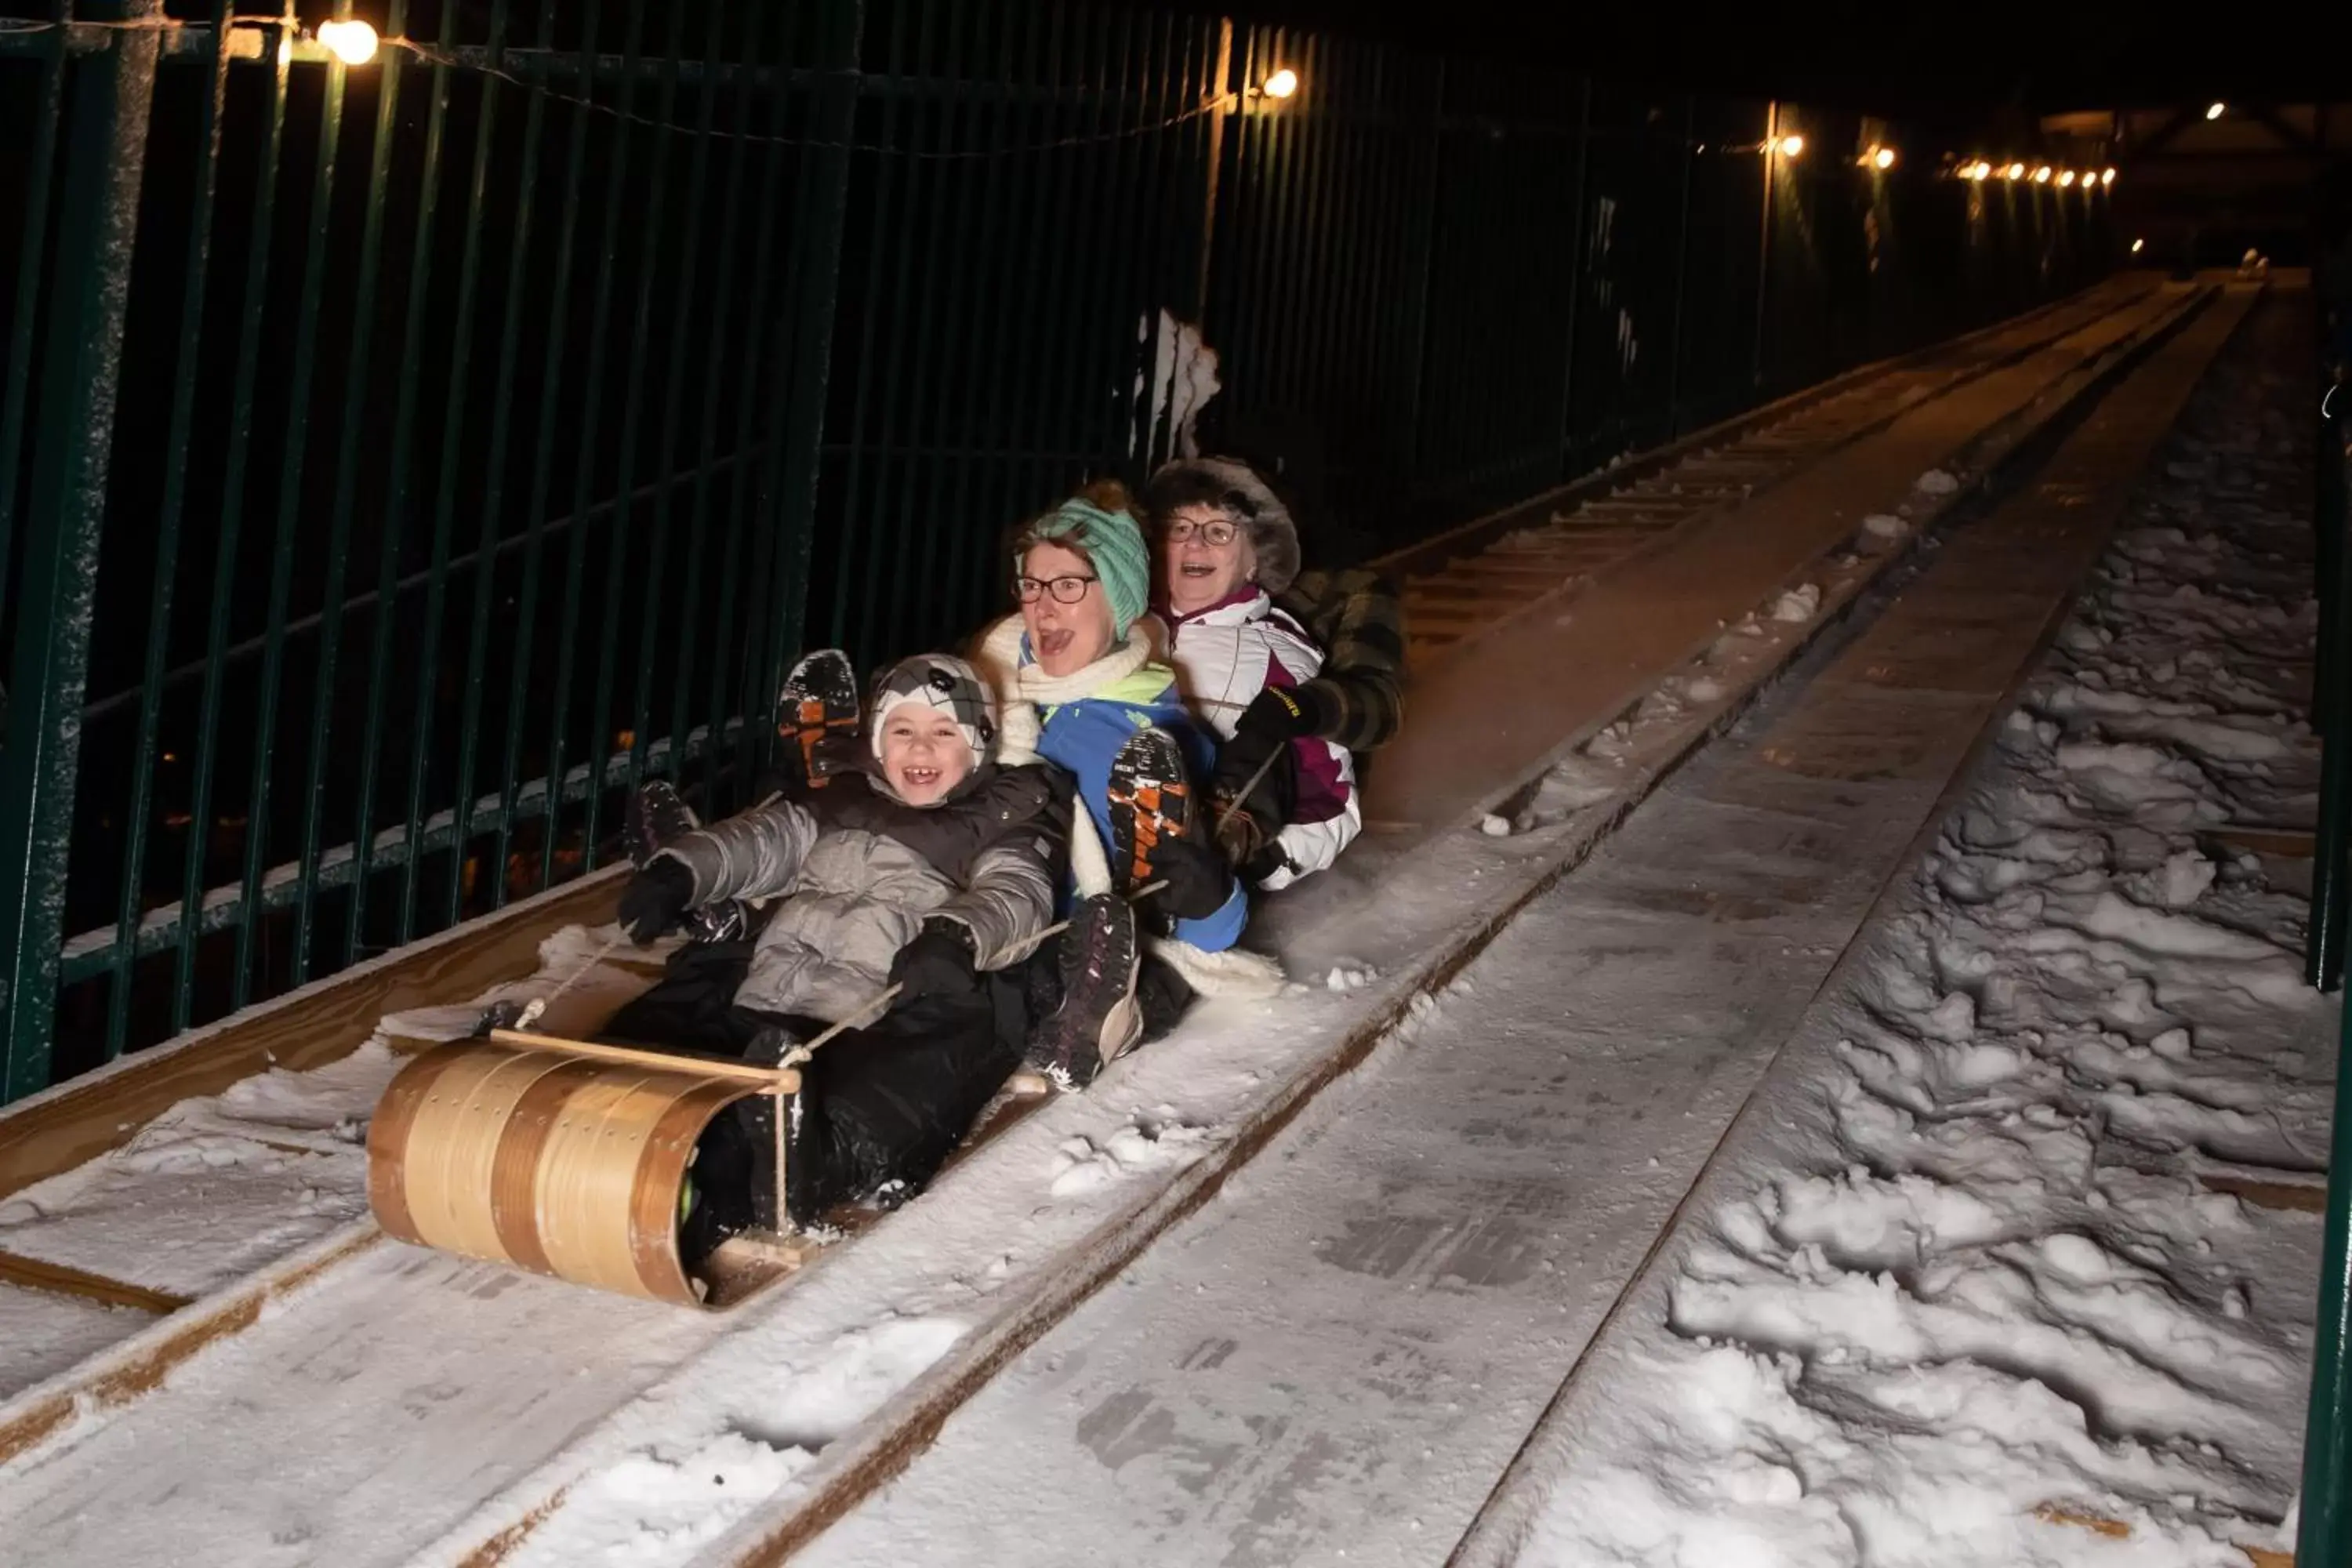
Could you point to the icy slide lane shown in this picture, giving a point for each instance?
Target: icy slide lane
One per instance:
(407, 1408)
(1338, 1359)
(1968, 1287)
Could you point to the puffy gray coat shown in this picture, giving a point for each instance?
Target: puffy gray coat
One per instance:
(859, 871)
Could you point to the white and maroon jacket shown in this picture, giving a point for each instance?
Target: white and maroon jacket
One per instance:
(1224, 655)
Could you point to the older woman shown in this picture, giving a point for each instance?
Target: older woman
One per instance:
(1078, 686)
(1227, 547)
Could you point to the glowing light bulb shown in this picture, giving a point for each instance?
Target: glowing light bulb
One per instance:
(2138, 245)
(2065, 177)
(2215, 110)
(353, 43)
(1883, 159)
(2106, 176)
(2041, 176)
(1282, 83)
(1790, 146)
(2014, 171)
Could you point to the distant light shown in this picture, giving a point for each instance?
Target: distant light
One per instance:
(1977, 171)
(1790, 146)
(2138, 245)
(353, 43)
(2041, 176)
(2106, 176)
(2065, 177)
(285, 48)
(2014, 171)
(1282, 83)
(2215, 110)
(1882, 158)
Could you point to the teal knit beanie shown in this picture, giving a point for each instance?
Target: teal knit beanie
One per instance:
(1113, 542)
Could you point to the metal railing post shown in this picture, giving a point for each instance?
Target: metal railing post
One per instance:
(1566, 466)
(2324, 1530)
(2323, 935)
(105, 146)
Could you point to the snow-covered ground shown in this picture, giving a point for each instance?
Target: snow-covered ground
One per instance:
(1964, 1287)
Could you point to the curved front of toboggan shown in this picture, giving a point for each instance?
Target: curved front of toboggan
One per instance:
(563, 1165)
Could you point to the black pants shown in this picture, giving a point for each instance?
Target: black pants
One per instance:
(880, 1108)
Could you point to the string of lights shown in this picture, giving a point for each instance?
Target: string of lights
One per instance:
(356, 43)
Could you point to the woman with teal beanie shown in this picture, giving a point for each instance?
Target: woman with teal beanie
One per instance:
(1077, 680)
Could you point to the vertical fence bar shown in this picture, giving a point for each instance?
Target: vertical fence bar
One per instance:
(397, 482)
(543, 465)
(964, 598)
(493, 498)
(347, 464)
(2325, 935)
(928, 133)
(632, 410)
(1424, 253)
(250, 926)
(1566, 466)
(913, 549)
(583, 470)
(453, 433)
(791, 506)
(722, 326)
(999, 497)
(25, 314)
(1682, 275)
(886, 161)
(169, 516)
(768, 328)
(2323, 1529)
(81, 364)
(673, 402)
(1764, 248)
(254, 303)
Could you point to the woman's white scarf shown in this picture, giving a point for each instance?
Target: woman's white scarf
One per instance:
(1021, 690)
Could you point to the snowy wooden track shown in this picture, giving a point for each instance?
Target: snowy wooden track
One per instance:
(1339, 1366)
(326, 1398)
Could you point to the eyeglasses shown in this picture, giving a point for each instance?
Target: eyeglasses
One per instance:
(1217, 532)
(1065, 590)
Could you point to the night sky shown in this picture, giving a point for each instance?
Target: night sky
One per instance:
(1936, 63)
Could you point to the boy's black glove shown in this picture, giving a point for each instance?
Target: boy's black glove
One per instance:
(655, 898)
(940, 962)
(1198, 882)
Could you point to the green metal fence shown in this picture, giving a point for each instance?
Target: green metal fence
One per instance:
(400, 460)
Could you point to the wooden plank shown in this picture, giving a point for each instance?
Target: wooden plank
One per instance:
(62, 1280)
(2116, 1530)
(2298, 1197)
(2286, 842)
(320, 1023)
(134, 1368)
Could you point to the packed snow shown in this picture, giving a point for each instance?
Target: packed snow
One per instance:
(1967, 1286)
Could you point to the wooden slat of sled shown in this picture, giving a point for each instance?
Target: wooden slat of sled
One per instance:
(308, 1028)
(62, 1280)
(783, 1078)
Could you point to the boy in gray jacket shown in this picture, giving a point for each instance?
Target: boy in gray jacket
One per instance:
(920, 864)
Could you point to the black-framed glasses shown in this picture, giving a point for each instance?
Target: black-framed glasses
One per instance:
(1065, 590)
(1217, 531)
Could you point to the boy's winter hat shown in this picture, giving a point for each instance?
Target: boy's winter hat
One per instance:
(946, 683)
(1111, 540)
(1233, 488)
